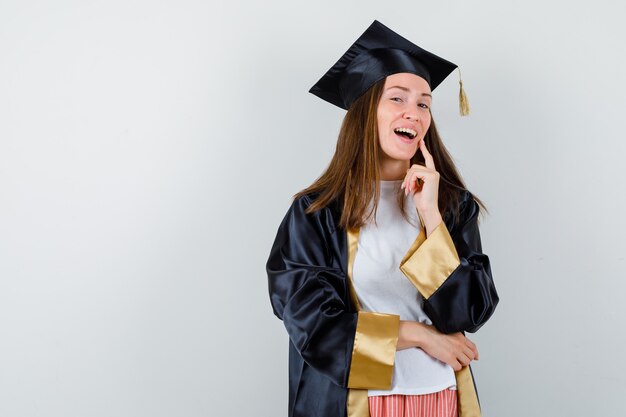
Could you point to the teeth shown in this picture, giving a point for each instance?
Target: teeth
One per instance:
(411, 132)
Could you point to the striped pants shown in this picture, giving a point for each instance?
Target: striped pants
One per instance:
(437, 404)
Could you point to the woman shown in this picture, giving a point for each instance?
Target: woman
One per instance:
(377, 267)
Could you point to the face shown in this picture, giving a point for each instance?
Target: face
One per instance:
(404, 103)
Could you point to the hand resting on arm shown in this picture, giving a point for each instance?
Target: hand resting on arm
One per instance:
(454, 349)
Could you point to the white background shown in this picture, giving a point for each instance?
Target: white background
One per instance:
(149, 149)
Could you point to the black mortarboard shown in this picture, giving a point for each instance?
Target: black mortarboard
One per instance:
(377, 53)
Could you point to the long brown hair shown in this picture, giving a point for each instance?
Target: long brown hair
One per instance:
(353, 173)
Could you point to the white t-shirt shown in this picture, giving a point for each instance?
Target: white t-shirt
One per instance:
(382, 287)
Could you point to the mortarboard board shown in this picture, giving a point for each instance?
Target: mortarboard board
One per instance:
(377, 53)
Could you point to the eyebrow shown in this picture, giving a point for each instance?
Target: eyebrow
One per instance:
(407, 90)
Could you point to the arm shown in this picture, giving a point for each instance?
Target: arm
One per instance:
(354, 349)
(454, 349)
(452, 273)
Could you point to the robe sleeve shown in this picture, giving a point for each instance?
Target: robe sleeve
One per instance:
(309, 293)
(452, 273)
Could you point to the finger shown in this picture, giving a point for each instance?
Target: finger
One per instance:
(412, 182)
(472, 346)
(453, 361)
(406, 178)
(469, 353)
(409, 178)
(419, 182)
(405, 181)
(428, 158)
(421, 176)
(464, 359)
(408, 181)
(417, 168)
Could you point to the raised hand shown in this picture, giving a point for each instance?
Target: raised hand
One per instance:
(423, 182)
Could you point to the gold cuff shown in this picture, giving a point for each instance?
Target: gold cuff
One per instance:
(429, 262)
(374, 350)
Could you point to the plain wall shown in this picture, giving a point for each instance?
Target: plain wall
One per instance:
(149, 150)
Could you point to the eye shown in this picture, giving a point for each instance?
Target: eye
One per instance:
(424, 105)
(396, 98)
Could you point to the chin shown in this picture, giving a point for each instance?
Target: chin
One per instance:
(404, 156)
(399, 154)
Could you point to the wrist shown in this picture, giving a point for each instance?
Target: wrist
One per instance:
(411, 334)
(431, 220)
(429, 212)
(428, 209)
(418, 334)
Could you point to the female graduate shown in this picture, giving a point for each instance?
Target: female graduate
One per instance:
(377, 268)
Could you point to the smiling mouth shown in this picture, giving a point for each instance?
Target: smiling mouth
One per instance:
(406, 133)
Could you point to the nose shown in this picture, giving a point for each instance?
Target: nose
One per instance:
(411, 114)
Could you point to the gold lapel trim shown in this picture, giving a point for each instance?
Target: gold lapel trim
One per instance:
(467, 399)
(357, 403)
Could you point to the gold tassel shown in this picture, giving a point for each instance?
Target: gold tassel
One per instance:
(463, 103)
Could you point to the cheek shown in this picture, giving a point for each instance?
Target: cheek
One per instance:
(381, 120)
(426, 122)
(383, 138)
(383, 124)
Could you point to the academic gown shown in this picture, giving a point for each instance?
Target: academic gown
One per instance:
(336, 351)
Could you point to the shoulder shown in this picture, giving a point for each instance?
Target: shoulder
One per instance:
(464, 209)
(468, 208)
(326, 217)
(468, 202)
(303, 202)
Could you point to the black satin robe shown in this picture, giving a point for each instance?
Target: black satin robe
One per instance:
(309, 291)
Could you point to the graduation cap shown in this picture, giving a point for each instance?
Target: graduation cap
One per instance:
(377, 53)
